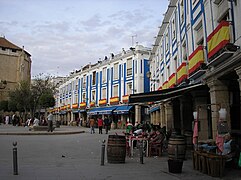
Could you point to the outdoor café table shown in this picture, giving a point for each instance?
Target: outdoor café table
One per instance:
(140, 139)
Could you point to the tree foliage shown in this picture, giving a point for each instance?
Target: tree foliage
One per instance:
(30, 97)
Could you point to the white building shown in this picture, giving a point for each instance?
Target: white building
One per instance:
(195, 66)
(104, 88)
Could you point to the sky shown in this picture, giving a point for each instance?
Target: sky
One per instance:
(63, 36)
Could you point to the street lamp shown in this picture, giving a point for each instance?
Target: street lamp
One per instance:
(148, 74)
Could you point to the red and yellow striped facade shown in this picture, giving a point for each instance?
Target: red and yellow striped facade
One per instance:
(125, 98)
(218, 38)
(82, 105)
(102, 102)
(114, 100)
(75, 106)
(182, 73)
(92, 103)
(196, 59)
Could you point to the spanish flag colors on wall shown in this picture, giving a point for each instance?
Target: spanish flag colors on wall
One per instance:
(218, 38)
(196, 59)
(182, 72)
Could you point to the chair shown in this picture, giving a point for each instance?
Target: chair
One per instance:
(155, 149)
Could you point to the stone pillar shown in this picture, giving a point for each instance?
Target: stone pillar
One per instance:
(201, 106)
(158, 117)
(219, 99)
(169, 115)
(138, 113)
(154, 117)
(162, 115)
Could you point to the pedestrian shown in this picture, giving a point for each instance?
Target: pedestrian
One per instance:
(100, 124)
(50, 122)
(106, 122)
(92, 125)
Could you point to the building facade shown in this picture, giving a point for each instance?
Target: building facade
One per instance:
(196, 67)
(104, 88)
(15, 66)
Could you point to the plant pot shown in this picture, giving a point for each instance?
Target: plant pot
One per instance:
(175, 165)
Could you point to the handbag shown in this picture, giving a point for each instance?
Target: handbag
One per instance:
(239, 162)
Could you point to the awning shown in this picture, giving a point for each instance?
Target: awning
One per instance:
(62, 112)
(163, 94)
(122, 109)
(101, 110)
(152, 109)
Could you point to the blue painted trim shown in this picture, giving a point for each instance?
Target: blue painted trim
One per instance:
(146, 80)
(86, 90)
(107, 85)
(191, 28)
(100, 84)
(124, 78)
(120, 72)
(111, 81)
(133, 75)
(97, 89)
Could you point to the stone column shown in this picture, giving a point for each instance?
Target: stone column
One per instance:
(162, 115)
(158, 117)
(219, 99)
(138, 113)
(169, 115)
(201, 105)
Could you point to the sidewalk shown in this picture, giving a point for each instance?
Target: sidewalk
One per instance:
(20, 130)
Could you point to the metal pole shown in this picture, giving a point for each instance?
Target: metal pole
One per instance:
(15, 159)
(102, 153)
(141, 152)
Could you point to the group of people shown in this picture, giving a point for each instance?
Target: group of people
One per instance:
(14, 119)
(106, 123)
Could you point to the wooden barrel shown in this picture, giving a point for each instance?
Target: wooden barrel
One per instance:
(176, 147)
(116, 149)
(188, 139)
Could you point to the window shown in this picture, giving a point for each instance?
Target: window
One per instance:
(94, 78)
(182, 11)
(93, 96)
(129, 67)
(129, 88)
(83, 97)
(167, 43)
(103, 93)
(104, 74)
(84, 81)
(115, 91)
(173, 29)
(184, 52)
(199, 34)
(116, 74)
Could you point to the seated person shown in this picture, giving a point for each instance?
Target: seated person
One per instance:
(157, 138)
(231, 151)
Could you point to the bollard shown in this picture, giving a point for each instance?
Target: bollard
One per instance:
(15, 159)
(141, 152)
(102, 153)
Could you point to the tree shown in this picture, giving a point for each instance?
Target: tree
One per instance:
(30, 97)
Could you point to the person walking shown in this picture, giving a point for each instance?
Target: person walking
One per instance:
(100, 124)
(92, 125)
(106, 122)
(50, 119)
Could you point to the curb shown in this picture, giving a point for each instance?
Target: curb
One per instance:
(41, 133)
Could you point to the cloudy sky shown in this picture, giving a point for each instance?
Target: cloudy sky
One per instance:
(64, 35)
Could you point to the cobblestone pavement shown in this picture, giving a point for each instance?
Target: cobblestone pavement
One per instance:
(74, 153)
